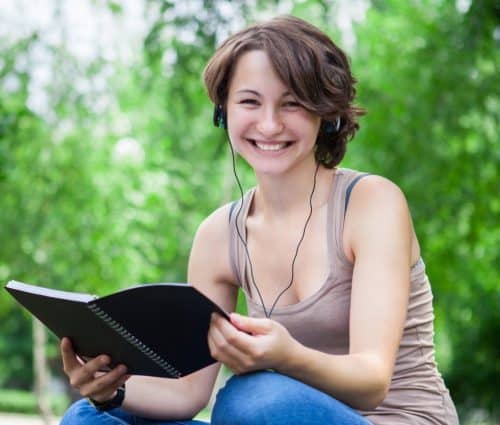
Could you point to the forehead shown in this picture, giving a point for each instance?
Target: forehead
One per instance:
(254, 70)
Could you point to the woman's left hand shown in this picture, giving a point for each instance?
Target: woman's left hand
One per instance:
(248, 344)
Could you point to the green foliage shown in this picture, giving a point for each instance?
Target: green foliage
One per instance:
(106, 186)
(17, 401)
(94, 200)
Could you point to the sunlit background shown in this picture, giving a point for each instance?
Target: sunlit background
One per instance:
(109, 160)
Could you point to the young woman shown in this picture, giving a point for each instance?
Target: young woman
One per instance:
(340, 326)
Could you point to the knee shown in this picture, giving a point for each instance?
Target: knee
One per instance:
(79, 413)
(256, 398)
(271, 398)
(235, 403)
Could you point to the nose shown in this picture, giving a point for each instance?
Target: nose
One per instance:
(270, 123)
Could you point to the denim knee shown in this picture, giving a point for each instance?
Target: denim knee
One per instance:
(78, 413)
(83, 413)
(238, 404)
(268, 398)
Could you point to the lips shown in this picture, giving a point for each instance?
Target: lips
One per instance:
(269, 146)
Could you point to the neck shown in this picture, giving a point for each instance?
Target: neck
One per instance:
(287, 194)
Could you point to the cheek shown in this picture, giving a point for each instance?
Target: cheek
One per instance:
(233, 139)
(304, 130)
(311, 129)
(234, 135)
(312, 122)
(236, 125)
(236, 118)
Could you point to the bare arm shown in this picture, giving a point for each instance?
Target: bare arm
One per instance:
(378, 232)
(159, 398)
(145, 396)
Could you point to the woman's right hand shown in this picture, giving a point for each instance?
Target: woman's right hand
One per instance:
(88, 377)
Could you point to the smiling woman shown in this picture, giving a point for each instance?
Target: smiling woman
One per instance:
(340, 326)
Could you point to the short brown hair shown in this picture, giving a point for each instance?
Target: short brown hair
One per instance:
(309, 64)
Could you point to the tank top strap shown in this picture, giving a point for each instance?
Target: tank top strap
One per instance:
(337, 207)
(238, 213)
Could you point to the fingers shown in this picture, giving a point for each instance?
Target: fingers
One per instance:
(250, 324)
(104, 387)
(231, 336)
(70, 361)
(74, 368)
(87, 378)
(222, 344)
(232, 347)
(89, 370)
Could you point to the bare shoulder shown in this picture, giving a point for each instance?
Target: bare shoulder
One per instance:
(377, 206)
(209, 266)
(376, 194)
(215, 226)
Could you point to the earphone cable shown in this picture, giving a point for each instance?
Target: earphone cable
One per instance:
(268, 314)
(238, 229)
(298, 244)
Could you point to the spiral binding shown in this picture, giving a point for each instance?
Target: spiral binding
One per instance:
(151, 354)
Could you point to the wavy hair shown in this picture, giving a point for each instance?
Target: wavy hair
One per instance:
(314, 69)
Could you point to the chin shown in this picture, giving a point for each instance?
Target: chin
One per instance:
(276, 169)
(273, 163)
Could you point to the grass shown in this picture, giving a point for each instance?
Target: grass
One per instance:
(17, 401)
(24, 402)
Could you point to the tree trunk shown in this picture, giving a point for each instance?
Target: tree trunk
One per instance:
(41, 371)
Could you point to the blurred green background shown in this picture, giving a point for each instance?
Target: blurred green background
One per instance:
(109, 160)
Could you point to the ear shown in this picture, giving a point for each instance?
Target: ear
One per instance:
(220, 117)
(332, 127)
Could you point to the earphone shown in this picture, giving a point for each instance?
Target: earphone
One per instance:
(220, 119)
(331, 128)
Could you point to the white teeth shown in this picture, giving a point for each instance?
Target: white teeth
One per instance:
(270, 147)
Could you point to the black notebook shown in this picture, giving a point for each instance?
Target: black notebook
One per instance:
(154, 329)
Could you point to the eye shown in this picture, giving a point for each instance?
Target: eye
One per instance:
(291, 104)
(249, 101)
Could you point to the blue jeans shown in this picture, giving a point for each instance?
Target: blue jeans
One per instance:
(260, 398)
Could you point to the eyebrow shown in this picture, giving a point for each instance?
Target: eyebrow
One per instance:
(256, 93)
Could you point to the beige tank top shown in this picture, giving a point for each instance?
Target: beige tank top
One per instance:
(417, 393)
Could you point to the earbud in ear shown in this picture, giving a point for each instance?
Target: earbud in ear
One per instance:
(220, 117)
(331, 127)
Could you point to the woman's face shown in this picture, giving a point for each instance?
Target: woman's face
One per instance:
(267, 125)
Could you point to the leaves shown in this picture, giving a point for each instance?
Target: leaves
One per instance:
(104, 182)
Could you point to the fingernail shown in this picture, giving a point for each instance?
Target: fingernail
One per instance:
(235, 317)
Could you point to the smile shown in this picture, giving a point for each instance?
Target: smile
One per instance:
(271, 147)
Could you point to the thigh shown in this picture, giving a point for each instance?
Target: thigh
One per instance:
(269, 398)
(83, 413)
